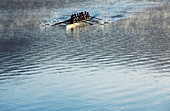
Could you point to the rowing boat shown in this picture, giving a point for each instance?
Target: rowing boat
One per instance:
(79, 24)
(79, 20)
(73, 26)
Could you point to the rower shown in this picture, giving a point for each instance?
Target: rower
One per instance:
(78, 17)
(88, 15)
(85, 15)
(74, 15)
(75, 19)
(81, 16)
(71, 19)
(77, 14)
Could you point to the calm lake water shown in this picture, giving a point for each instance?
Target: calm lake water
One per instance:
(120, 66)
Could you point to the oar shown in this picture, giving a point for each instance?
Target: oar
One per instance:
(88, 22)
(96, 18)
(60, 22)
(99, 20)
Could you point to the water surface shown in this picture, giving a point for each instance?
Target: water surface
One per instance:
(120, 66)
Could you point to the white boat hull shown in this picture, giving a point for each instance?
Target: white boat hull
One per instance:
(75, 25)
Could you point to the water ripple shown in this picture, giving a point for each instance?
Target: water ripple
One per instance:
(119, 66)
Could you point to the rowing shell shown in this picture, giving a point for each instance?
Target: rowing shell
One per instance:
(90, 21)
(79, 24)
(75, 25)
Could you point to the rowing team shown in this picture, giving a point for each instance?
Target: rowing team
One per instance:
(79, 17)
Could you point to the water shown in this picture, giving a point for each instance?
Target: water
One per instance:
(120, 66)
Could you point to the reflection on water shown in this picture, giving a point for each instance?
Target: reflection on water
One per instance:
(124, 65)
